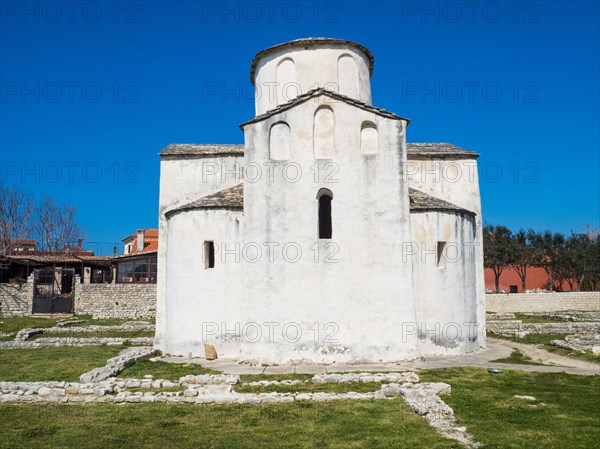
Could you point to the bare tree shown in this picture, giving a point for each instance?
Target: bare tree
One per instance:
(56, 226)
(16, 212)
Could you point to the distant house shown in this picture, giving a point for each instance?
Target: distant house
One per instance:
(537, 278)
(17, 246)
(137, 264)
(23, 258)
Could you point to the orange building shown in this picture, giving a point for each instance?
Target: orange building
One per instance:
(510, 281)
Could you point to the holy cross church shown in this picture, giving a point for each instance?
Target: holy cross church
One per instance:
(338, 247)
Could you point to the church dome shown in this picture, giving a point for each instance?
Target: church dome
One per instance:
(284, 71)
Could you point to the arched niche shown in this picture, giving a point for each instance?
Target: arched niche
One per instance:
(369, 137)
(279, 141)
(348, 76)
(286, 88)
(324, 133)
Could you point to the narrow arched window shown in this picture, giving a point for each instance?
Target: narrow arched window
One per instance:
(325, 226)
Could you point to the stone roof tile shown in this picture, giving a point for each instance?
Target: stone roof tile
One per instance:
(321, 91)
(435, 149)
(423, 202)
(231, 198)
(215, 150)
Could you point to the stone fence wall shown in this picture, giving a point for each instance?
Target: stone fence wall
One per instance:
(99, 300)
(520, 329)
(542, 302)
(139, 300)
(16, 299)
(116, 300)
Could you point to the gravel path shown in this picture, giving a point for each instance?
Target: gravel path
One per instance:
(496, 349)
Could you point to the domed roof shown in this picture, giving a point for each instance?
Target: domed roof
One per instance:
(306, 42)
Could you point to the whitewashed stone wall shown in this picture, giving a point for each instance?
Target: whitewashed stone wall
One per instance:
(542, 302)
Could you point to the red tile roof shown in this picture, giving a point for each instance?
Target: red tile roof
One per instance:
(149, 245)
(148, 233)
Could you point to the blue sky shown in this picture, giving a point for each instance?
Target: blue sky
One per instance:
(92, 92)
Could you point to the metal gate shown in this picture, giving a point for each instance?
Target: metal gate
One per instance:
(53, 290)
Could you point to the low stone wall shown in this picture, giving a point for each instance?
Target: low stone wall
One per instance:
(116, 300)
(542, 302)
(72, 341)
(16, 299)
(422, 398)
(98, 300)
(519, 329)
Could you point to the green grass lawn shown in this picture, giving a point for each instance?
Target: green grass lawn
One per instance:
(544, 340)
(163, 370)
(565, 414)
(569, 417)
(53, 363)
(94, 334)
(105, 322)
(15, 324)
(517, 357)
(311, 388)
(244, 378)
(336, 425)
(528, 319)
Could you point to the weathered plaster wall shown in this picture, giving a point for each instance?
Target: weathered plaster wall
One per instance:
(202, 304)
(446, 289)
(350, 307)
(183, 181)
(455, 180)
(315, 68)
(543, 302)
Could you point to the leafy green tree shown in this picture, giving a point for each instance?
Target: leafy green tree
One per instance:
(588, 262)
(522, 254)
(496, 250)
(548, 247)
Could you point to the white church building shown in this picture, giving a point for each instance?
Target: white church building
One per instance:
(325, 237)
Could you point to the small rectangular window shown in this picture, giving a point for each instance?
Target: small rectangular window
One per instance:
(441, 257)
(209, 254)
